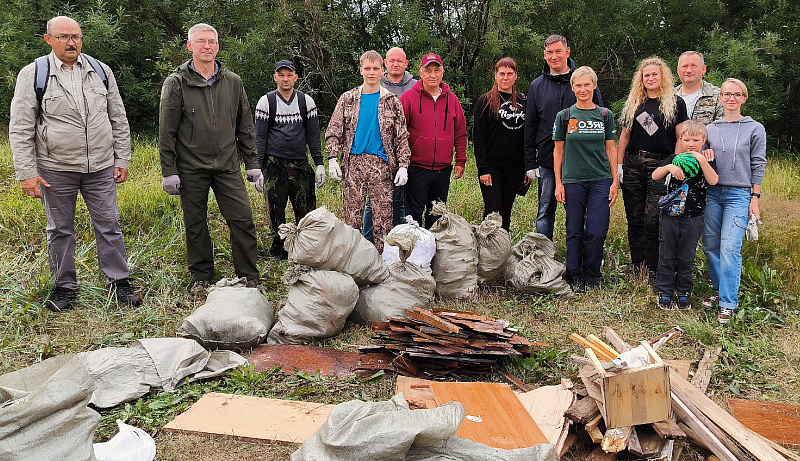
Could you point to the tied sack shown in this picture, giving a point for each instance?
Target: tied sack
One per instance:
(233, 318)
(424, 248)
(494, 247)
(540, 273)
(317, 306)
(320, 240)
(408, 286)
(532, 241)
(455, 265)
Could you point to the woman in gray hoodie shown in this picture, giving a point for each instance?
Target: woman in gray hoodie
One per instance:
(739, 145)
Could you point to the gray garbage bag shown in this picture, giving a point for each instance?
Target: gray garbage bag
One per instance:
(539, 273)
(532, 241)
(455, 265)
(233, 317)
(389, 431)
(424, 248)
(120, 374)
(44, 413)
(317, 305)
(322, 241)
(494, 247)
(407, 286)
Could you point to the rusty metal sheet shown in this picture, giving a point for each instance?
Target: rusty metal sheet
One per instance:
(330, 362)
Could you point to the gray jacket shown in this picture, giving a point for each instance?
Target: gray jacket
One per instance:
(740, 149)
(398, 89)
(61, 140)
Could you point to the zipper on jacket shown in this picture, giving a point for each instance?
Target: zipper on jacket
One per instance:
(214, 121)
(191, 136)
(433, 164)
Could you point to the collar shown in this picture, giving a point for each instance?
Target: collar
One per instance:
(60, 63)
(213, 76)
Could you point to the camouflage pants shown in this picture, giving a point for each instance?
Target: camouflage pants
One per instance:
(286, 180)
(641, 194)
(368, 174)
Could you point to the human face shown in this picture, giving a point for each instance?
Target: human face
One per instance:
(651, 77)
(505, 78)
(396, 63)
(583, 87)
(372, 72)
(691, 69)
(431, 76)
(204, 46)
(67, 52)
(556, 55)
(285, 78)
(732, 102)
(692, 142)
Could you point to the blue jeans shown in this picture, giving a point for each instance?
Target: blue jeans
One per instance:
(725, 218)
(546, 217)
(398, 212)
(588, 215)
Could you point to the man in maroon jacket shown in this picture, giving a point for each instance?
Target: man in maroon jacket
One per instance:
(436, 125)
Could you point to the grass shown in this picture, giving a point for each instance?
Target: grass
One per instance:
(761, 350)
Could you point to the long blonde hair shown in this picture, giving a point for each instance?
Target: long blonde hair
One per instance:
(638, 94)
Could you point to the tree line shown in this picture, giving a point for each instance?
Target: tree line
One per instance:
(144, 40)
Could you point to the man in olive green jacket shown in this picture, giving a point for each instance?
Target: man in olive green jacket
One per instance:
(205, 129)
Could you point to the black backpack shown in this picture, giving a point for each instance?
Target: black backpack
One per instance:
(565, 118)
(41, 75)
(272, 99)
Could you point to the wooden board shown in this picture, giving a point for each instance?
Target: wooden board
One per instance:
(682, 367)
(495, 416)
(416, 391)
(582, 411)
(645, 442)
(547, 405)
(778, 422)
(252, 418)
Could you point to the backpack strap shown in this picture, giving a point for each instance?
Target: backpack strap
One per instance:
(272, 100)
(41, 76)
(604, 114)
(97, 68)
(301, 104)
(565, 118)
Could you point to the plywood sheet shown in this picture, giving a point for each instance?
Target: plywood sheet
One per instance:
(547, 405)
(291, 357)
(778, 422)
(417, 392)
(252, 418)
(495, 416)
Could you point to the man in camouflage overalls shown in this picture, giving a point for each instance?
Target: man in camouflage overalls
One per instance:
(701, 98)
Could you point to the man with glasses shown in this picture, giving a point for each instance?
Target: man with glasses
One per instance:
(69, 134)
(205, 129)
(701, 97)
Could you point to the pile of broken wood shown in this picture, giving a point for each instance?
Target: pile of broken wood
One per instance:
(689, 413)
(433, 343)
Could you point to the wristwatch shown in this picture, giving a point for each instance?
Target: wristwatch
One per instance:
(755, 194)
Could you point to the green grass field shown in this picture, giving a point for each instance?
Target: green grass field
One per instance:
(761, 348)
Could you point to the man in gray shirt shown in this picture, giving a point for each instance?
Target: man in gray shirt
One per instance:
(287, 127)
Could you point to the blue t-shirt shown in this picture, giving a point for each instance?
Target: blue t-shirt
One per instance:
(368, 132)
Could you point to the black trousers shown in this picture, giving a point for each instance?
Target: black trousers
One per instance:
(500, 196)
(678, 237)
(641, 195)
(423, 188)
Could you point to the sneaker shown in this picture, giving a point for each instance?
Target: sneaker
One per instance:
(592, 283)
(125, 294)
(61, 299)
(724, 315)
(578, 286)
(683, 303)
(711, 301)
(199, 287)
(664, 302)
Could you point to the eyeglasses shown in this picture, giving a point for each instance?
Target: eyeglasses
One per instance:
(202, 42)
(65, 38)
(736, 96)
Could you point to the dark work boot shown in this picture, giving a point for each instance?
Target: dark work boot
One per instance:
(125, 294)
(61, 299)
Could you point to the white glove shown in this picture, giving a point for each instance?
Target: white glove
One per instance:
(402, 177)
(333, 169)
(320, 176)
(619, 172)
(171, 184)
(533, 174)
(256, 177)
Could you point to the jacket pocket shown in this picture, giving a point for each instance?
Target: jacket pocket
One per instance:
(55, 102)
(97, 99)
(191, 127)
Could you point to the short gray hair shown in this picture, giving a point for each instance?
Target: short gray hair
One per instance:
(692, 53)
(49, 30)
(583, 71)
(201, 27)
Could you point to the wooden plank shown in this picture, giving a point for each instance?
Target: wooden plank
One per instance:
(599, 455)
(616, 440)
(605, 347)
(645, 442)
(547, 405)
(637, 395)
(252, 418)
(668, 429)
(582, 411)
(570, 441)
(416, 391)
(778, 422)
(702, 377)
(595, 429)
(428, 317)
(702, 433)
(616, 340)
(589, 345)
(753, 443)
(696, 438)
(681, 366)
(495, 416)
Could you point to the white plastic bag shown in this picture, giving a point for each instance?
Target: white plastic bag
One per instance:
(424, 248)
(130, 444)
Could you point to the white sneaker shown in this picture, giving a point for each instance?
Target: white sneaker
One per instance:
(724, 315)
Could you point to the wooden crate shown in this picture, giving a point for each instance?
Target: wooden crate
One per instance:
(636, 395)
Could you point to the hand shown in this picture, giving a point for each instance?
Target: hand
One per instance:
(485, 179)
(255, 176)
(458, 171)
(560, 195)
(619, 172)
(30, 187)
(171, 184)
(120, 175)
(333, 169)
(676, 172)
(708, 154)
(700, 157)
(532, 174)
(320, 176)
(754, 208)
(613, 192)
(401, 178)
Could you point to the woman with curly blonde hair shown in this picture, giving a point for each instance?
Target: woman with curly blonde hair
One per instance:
(651, 121)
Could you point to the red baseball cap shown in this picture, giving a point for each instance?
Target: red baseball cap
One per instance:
(430, 58)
